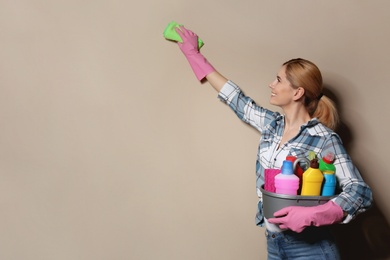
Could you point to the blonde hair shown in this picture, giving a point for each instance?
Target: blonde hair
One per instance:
(305, 74)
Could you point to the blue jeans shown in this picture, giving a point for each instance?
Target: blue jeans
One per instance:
(312, 243)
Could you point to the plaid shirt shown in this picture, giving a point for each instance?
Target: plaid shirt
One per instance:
(355, 196)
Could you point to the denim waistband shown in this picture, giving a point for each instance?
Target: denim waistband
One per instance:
(310, 234)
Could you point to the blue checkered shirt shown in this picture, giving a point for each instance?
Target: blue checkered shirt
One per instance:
(355, 195)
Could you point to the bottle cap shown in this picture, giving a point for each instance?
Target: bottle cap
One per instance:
(291, 158)
(314, 163)
(328, 158)
(287, 167)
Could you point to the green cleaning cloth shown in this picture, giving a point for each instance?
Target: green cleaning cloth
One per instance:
(171, 34)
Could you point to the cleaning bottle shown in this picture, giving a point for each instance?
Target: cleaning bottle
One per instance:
(312, 180)
(286, 182)
(326, 163)
(329, 185)
(298, 170)
(328, 169)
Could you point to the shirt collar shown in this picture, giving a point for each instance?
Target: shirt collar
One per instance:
(312, 122)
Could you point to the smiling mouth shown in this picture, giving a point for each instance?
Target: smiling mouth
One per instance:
(273, 94)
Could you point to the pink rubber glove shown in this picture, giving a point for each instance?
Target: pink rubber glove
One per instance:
(298, 218)
(200, 66)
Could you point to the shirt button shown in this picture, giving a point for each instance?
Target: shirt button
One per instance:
(273, 235)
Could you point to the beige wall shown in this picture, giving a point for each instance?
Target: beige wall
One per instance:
(111, 149)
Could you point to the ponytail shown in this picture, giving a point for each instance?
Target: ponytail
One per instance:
(326, 112)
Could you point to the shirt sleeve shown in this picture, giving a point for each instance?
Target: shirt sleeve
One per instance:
(355, 196)
(244, 107)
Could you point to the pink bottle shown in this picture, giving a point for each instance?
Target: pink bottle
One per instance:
(287, 182)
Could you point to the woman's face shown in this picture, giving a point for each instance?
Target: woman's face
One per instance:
(281, 90)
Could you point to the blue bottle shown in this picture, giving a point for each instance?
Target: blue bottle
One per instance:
(328, 169)
(329, 184)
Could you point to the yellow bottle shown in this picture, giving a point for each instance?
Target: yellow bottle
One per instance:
(312, 180)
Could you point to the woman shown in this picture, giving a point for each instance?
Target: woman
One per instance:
(305, 125)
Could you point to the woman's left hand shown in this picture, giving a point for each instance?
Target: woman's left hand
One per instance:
(297, 218)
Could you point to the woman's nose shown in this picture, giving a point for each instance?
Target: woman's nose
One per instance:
(271, 85)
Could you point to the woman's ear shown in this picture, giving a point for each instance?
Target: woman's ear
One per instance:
(299, 93)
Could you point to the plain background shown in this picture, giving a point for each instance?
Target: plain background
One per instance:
(111, 149)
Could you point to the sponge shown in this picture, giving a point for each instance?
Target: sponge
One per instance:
(171, 34)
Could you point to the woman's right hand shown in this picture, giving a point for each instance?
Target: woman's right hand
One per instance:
(190, 41)
(199, 64)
